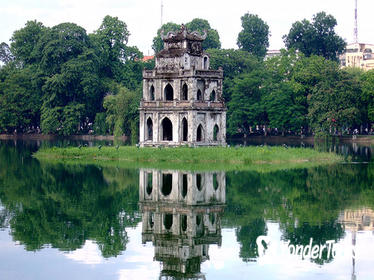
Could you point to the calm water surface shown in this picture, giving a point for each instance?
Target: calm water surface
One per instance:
(88, 222)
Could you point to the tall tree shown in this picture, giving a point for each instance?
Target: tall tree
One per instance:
(25, 42)
(285, 103)
(72, 90)
(234, 63)
(59, 44)
(122, 111)
(254, 37)
(368, 93)
(316, 38)
(335, 103)
(20, 101)
(212, 40)
(111, 41)
(245, 108)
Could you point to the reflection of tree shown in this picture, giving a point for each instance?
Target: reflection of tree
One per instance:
(305, 202)
(63, 206)
(301, 234)
(4, 217)
(247, 236)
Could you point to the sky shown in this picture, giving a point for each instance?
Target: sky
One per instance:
(143, 17)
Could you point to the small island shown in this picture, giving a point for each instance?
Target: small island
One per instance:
(262, 158)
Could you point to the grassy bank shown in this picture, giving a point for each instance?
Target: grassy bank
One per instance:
(212, 158)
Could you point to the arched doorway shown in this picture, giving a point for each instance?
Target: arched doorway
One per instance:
(152, 93)
(199, 133)
(149, 129)
(167, 130)
(184, 92)
(215, 133)
(199, 95)
(213, 95)
(184, 130)
(169, 93)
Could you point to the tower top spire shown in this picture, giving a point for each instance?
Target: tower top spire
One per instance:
(355, 31)
(162, 12)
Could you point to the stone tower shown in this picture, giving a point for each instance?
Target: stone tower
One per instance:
(182, 100)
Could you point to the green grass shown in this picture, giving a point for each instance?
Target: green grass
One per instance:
(184, 158)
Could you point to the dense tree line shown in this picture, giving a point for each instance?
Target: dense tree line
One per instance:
(61, 80)
(292, 93)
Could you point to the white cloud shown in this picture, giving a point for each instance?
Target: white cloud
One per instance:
(88, 254)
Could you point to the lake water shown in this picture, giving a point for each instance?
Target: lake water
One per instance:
(89, 222)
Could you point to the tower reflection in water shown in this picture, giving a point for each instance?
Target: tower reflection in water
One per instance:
(181, 216)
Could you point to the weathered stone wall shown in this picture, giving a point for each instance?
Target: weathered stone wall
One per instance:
(208, 119)
(182, 224)
(210, 189)
(182, 62)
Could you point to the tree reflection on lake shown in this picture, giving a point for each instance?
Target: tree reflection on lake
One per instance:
(183, 214)
(64, 205)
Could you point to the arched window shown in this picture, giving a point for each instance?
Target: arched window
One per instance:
(151, 220)
(149, 129)
(169, 93)
(199, 95)
(215, 133)
(199, 183)
(199, 133)
(212, 218)
(184, 222)
(152, 93)
(167, 184)
(198, 220)
(206, 63)
(149, 183)
(199, 226)
(213, 95)
(184, 185)
(167, 130)
(184, 92)
(168, 221)
(184, 130)
(215, 182)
